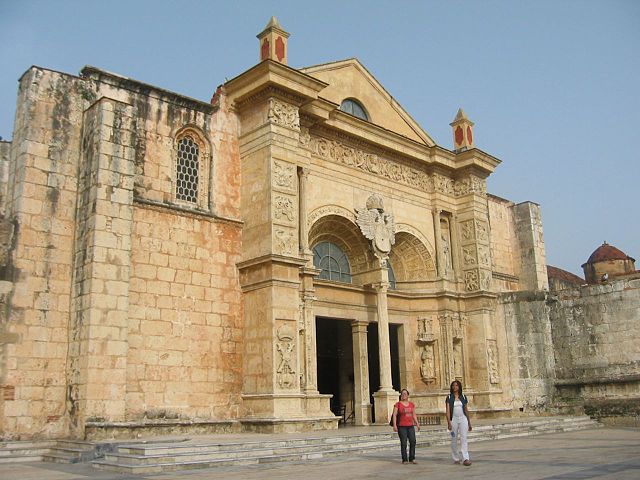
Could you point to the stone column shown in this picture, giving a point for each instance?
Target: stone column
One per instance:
(303, 176)
(384, 348)
(361, 404)
(438, 242)
(455, 248)
(310, 356)
(386, 397)
(447, 349)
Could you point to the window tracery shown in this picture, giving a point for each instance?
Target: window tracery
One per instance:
(191, 169)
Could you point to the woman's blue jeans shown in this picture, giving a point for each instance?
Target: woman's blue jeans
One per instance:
(407, 433)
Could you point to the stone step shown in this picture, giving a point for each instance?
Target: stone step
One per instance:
(156, 458)
(60, 451)
(23, 451)
(70, 451)
(20, 458)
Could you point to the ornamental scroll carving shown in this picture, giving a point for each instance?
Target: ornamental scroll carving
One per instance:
(471, 281)
(339, 152)
(284, 208)
(485, 279)
(482, 232)
(492, 361)
(377, 226)
(468, 231)
(283, 114)
(344, 154)
(284, 175)
(285, 241)
(285, 373)
(477, 280)
(483, 255)
(330, 210)
(469, 255)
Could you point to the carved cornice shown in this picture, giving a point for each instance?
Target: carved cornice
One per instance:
(270, 74)
(266, 94)
(345, 150)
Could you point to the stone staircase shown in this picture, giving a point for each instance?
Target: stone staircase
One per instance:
(71, 451)
(14, 452)
(59, 451)
(150, 457)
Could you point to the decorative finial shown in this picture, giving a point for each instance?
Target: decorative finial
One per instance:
(273, 42)
(462, 132)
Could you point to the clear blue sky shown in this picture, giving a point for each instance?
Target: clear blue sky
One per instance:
(553, 86)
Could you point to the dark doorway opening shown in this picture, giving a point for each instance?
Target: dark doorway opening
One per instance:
(374, 361)
(334, 347)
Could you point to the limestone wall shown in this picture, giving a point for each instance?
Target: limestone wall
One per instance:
(578, 348)
(528, 225)
(529, 349)
(5, 148)
(596, 335)
(40, 203)
(123, 305)
(505, 249)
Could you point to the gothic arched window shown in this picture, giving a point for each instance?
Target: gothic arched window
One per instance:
(332, 261)
(191, 169)
(355, 108)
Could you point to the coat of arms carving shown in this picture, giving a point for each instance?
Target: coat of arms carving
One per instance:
(377, 226)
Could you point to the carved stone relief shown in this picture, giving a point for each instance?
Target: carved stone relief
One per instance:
(377, 226)
(330, 210)
(484, 257)
(425, 330)
(304, 137)
(471, 280)
(284, 175)
(428, 364)
(284, 208)
(469, 255)
(482, 232)
(467, 231)
(458, 368)
(492, 360)
(471, 184)
(283, 114)
(339, 152)
(285, 373)
(485, 279)
(458, 323)
(445, 241)
(285, 241)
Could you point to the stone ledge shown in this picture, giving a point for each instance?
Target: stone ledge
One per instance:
(577, 382)
(128, 430)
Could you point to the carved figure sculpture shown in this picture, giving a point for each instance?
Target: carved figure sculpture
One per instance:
(427, 364)
(285, 345)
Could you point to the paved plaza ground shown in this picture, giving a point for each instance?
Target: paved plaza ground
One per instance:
(605, 453)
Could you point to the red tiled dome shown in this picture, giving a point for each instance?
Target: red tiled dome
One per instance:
(607, 252)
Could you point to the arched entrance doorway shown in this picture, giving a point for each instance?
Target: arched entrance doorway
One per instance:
(335, 361)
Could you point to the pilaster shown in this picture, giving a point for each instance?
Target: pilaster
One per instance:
(362, 405)
(98, 337)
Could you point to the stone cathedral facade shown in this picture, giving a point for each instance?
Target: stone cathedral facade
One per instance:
(296, 248)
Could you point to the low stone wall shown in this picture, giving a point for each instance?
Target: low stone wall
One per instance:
(590, 358)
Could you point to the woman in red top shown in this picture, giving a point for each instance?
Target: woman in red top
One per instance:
(405, 422)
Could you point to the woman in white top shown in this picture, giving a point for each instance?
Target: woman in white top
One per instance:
(458, 423)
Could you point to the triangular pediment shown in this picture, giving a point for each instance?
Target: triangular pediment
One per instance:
(349, 79)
